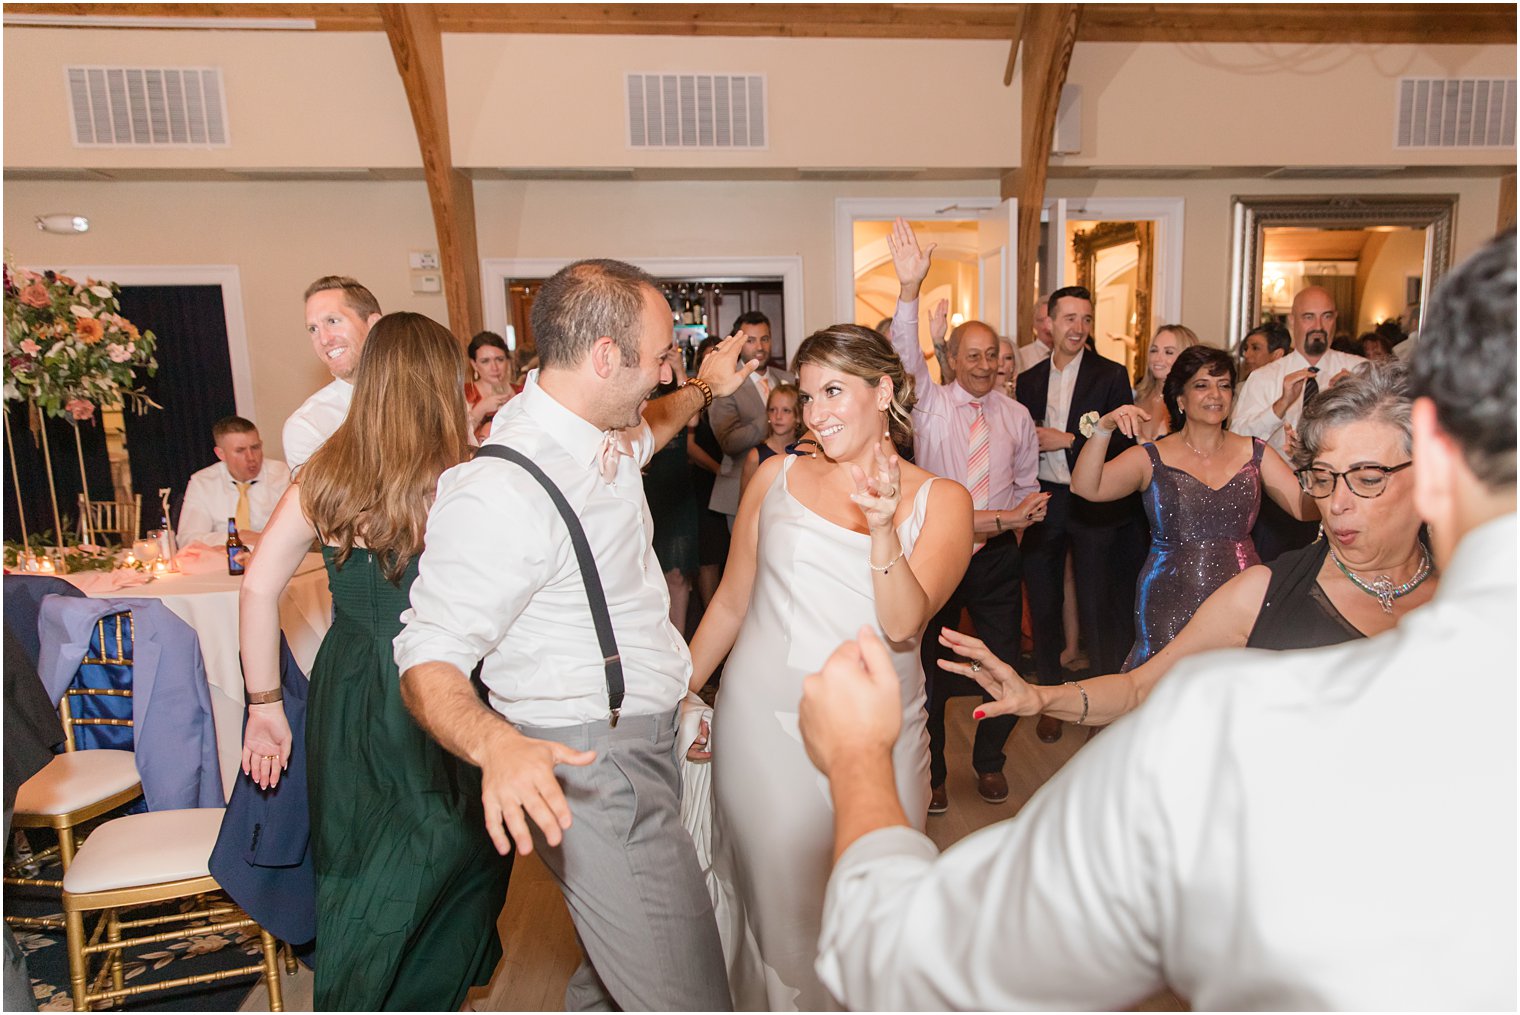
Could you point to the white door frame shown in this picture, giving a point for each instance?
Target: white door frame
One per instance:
(848, 210)
(495, 271)
(1165, 212)
(225, 276)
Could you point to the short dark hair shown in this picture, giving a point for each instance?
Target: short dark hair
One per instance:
(231, 425)
(487, 338)
(750, 317)
(584, 301)
(359, 299)
(1464, 361)
(1373, 338)
(1276, 335)
(1188, 364)
(1078, 292)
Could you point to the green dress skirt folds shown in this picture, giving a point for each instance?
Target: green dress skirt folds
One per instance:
(409, 887)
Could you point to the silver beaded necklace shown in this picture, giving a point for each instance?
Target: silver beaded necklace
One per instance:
(1382, 587)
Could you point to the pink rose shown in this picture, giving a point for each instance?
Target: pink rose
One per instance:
(35, 295)
(80, 408)
(118, 353)
(29, 347)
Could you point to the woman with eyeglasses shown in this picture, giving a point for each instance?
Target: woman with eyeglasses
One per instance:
(1366, 571)
(1201, 486)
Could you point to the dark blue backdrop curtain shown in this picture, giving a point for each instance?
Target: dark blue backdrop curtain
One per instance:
(193, 384)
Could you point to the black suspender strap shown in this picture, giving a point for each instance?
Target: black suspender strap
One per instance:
(597, 598)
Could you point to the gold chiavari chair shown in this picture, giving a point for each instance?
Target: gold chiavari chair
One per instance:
(78, 786)
(121, 519)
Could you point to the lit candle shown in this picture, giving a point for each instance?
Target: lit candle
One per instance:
(128, 560)
(159, 567)
(47, 565)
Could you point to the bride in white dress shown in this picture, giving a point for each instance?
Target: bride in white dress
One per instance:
(822, 546)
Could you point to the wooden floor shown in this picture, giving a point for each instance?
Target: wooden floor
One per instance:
(539, 942)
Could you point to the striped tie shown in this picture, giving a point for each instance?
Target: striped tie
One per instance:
(978, 462)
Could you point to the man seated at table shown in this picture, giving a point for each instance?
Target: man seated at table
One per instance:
(243, 484)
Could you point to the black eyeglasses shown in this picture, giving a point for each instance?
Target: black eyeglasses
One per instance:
(1364, 480)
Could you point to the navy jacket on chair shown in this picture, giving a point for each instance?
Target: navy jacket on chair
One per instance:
(174, 736)
(262, 857)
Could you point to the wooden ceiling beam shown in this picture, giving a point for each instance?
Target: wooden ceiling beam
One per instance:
(1418, 23)
(418, 48)
(1013, 50)
(1050, 32)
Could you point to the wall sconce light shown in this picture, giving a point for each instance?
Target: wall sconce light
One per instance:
(63, 223)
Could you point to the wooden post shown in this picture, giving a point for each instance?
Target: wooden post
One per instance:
(1048, 33)
(1506, 202)
(418, 48)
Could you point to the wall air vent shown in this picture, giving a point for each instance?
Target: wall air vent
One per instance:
(1456, 113)
(696, 111)
(147, 107)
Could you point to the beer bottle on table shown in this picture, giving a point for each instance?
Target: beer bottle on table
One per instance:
(235, 546)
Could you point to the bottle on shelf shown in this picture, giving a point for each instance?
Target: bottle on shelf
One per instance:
(235, 548)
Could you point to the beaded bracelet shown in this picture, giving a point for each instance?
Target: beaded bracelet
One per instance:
(885, 567)
(1083, 692)
(702, 386)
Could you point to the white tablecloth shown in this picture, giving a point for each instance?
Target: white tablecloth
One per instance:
(209, 604)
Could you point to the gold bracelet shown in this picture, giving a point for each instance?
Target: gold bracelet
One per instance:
(702, 386)
(264, 697)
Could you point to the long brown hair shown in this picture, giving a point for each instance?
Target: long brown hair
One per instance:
(374, 479)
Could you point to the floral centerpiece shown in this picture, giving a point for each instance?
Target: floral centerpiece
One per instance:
(67, 351)
(67, 347)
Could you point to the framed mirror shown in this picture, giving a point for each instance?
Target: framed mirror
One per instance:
(1115, 261)
(1378, 254)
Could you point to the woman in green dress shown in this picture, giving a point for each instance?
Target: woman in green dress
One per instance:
(409, 887)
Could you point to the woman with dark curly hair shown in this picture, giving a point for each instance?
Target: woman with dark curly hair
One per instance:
(822, 546)
(1201, 485)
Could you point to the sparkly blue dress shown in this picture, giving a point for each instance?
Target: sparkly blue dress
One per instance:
(1200, 539)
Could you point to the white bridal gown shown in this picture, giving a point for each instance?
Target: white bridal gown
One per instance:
(773, 823)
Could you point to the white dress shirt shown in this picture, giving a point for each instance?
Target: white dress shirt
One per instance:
(1253, 415)
(1053, 465)
(1259, 835)
(211, 498)
(942, 424)
(1027, 356)
(310, 425)
(499, 578)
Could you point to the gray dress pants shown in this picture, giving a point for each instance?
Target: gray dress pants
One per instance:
(629, 874)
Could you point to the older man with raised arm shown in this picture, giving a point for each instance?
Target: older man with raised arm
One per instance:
(578, 745)
(1259, 835)
(339, 314)
(1272, 399)
(969, 432)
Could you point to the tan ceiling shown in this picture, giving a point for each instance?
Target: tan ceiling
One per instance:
(1294, 244)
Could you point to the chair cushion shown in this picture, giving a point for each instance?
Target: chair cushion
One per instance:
(77, 779)
(145, 849)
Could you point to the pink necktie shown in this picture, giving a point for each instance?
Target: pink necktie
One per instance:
(765, 387)
(607, 458)
(978, 461)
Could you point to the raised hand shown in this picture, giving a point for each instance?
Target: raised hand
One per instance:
(722, 370)
(878, 495)
(1126, 419)
(912, 264)
(1012, 695)
(939, 322)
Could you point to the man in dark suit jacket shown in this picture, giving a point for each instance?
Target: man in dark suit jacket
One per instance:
(1106, 540)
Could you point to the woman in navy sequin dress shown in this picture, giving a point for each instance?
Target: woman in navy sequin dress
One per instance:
(1201, 486)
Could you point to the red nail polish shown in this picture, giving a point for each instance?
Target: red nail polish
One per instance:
(979, 714)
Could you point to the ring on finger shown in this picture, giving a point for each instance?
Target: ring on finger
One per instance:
(976, 665)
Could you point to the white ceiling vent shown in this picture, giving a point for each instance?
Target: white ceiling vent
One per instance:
(1456, 113)
(147, 107)
(696, 111)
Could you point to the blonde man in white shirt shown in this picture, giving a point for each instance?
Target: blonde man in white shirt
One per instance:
(243, 484)
(1259, 835)
(594, 789)
(1272, 399)
(339, 314)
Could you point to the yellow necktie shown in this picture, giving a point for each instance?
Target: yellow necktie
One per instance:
(241, 512)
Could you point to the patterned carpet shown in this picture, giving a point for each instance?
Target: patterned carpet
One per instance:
(48, 962)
